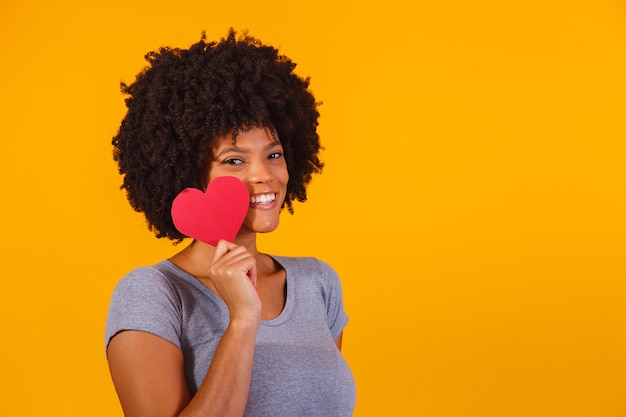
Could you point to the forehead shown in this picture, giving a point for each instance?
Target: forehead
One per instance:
(246, 140)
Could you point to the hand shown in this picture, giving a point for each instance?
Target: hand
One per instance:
(233, 273)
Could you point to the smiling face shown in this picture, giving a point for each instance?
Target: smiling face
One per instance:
(256, 158)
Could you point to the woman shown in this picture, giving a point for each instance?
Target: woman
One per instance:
(224, 330)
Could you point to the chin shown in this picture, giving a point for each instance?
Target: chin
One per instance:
(259, 227)
(262, 223)
(267, 228)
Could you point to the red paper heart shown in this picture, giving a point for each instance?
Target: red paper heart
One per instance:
(215, 214)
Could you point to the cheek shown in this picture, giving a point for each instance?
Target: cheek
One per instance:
(284, 176)
(284, 171)
(210, 173)
(217, 171)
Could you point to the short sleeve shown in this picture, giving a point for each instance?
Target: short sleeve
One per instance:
(333, 297)
(145, 300)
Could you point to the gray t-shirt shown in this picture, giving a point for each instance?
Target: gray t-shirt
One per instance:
(297, 370)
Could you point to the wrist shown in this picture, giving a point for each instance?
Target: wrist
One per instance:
(249, 322)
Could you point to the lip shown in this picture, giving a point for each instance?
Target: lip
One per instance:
(271, 197)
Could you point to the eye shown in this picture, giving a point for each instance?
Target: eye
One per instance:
(233, 161)
(275, 155)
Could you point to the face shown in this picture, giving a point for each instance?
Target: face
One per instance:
(256, 158)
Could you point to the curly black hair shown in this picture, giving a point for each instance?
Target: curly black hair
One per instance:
(185, 98)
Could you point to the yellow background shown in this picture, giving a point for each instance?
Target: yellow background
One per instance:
(473, 201)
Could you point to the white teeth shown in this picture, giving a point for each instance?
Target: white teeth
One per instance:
(263, 198)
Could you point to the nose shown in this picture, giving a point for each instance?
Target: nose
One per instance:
(259, 173)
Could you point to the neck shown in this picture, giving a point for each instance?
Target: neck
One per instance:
(248, 241)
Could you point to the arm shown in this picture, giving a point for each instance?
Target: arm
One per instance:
(224, 391)
(148, 371)
(148, 375)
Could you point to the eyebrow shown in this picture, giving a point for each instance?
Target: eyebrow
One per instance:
(243, 150)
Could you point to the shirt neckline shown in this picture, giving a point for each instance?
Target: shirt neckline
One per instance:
(289, 282)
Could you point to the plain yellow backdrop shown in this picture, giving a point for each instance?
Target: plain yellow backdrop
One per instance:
(473, 200)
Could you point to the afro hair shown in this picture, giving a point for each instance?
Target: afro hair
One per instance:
(185, 98)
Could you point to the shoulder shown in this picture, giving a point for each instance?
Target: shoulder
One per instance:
(146, 299)
(310, 269)
(148, 285)
(315, 277)
(145, 278)
(304, 265)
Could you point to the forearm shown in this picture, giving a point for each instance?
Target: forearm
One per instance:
(225, 389)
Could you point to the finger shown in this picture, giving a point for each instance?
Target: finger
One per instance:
(229, 255)
(252, 274)
(244, 262)
(222, 248)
